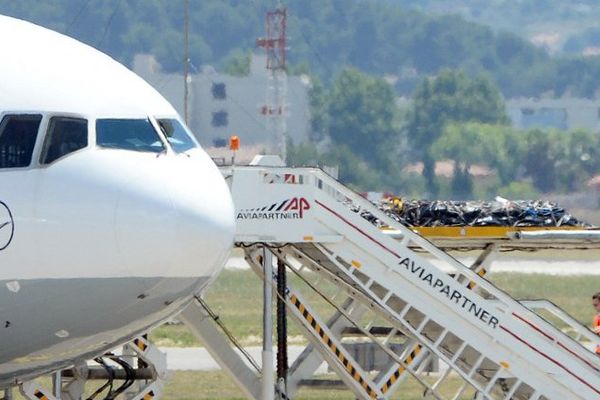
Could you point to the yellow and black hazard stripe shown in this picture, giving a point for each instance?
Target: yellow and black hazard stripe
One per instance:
(481, 273)
(149, 396)
(140, 344)
(334, 349)
(39, 395)
(396, 375)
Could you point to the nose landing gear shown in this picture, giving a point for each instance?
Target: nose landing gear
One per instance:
(149, 373)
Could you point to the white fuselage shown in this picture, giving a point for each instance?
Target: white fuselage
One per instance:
(103, 242)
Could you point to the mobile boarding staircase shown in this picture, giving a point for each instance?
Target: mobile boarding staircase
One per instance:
(494, 346)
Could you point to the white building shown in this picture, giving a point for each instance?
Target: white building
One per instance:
(564, 114)
(223, 105)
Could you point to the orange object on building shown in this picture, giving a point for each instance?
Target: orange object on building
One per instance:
(234, 143)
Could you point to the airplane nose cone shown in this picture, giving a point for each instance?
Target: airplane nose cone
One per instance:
(205, 225)
(177, 220)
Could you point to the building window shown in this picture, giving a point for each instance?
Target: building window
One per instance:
(527, 111)
(219, 142)
(220, 118)
(219, 91)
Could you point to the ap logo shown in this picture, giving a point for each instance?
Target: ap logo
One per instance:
(7, 226)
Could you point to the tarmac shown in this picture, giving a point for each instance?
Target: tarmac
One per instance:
(529, 265)
(199, 359)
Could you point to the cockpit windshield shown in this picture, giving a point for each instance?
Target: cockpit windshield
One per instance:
(18, 134)
(128, 134)
(176, 135)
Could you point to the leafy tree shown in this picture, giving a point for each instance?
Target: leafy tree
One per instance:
(463, 146)
(303, 154)
(503, 148)
(354, 170)
(499, 147)
(579, 159)
(518, 190)
(301, 68)
(376, 37)
(319, 118)
(450, 97)
(561, 161)
(362, 115)
(462, 184)
(542, 151)
(238, 64)
(577, 75)
(589, 37)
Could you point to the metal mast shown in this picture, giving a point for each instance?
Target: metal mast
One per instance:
(186, 62)
(275, 107)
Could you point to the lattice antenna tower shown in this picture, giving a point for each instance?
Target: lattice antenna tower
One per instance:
(274, 109)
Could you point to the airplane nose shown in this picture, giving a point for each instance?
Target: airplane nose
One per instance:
(205, 225)
(177, 220)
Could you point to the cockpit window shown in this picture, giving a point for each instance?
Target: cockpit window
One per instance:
(65, 135)
(18, 134)
(128, 134)
(176, 134)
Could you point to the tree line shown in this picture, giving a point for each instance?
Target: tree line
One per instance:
(376, 37)
(357, 125)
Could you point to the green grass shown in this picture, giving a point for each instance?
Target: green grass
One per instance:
(236, 297)
(217, 385)
(572, 293)
(214, 385)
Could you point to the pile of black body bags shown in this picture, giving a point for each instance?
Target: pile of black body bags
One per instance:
(501, 212)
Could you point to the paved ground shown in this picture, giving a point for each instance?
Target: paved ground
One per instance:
(527, 265)
(198, 358)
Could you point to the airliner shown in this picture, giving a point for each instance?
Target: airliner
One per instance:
(112, 218)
